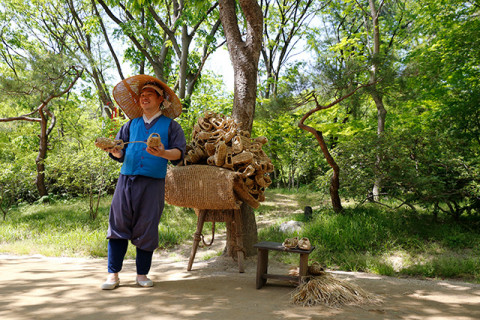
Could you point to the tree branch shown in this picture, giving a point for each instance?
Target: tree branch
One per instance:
(195, 27)
(46, 101)
(170, 33)
(206, 54)
(105, 35)
(132, 38)
(20, 118)
(312, 96)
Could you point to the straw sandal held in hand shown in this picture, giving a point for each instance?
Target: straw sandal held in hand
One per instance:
(106, 143)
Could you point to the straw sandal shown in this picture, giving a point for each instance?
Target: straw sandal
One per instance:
(210, 148)
(205, 125)
(228, 160)
(106, 143)
(154, 140)
(220, 154)
(315, 269)
(290, 243)
(304, 244)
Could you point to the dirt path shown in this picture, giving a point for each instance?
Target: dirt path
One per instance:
(36, 287)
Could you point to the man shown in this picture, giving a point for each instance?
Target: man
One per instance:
(138, 201)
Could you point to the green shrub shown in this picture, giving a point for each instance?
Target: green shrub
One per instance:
(417, 168)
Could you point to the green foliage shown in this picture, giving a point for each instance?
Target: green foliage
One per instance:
(443, 70)
(89, 173)
(422, 168)
(55, 229)
(285, 24)
(389, 242)
(451, 266)
(177, 225)
(294, 154)
(63, 228)
(76, 168)
(17, 159)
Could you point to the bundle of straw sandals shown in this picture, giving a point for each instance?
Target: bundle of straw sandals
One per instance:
(218, 141)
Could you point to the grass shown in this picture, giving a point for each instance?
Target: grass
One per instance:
(370, 239)
(394, 243)
(64, 228)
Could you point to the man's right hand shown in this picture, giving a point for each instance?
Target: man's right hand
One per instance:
(115, 152)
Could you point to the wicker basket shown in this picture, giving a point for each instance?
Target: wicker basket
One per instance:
(202, 187)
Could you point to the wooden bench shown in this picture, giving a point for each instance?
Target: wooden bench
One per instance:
(262, 263)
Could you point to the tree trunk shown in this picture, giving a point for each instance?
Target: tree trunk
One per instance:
(377, 96)
(84, 44)
(103, 95)
(182, 79)
(335, 180)
(249, 227)
(245, 74)
(335, 187)
(74, 72)
(42, 153)
(244, 55)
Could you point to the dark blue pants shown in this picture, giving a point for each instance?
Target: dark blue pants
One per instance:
(117, 248)
(136, 209)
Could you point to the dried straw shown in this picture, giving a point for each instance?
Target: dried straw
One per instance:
(223, 144)
(201, 187)
(327, 290)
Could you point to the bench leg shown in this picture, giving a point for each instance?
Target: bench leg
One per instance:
(197, 237)
(303, 266)
(262, 267)
(239, 240)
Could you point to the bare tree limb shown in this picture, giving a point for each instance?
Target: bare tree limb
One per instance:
(105, 35)
(20, 118)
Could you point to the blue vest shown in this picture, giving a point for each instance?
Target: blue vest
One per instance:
(137, 160)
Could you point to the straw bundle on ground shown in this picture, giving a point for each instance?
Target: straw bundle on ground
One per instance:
(327, 290)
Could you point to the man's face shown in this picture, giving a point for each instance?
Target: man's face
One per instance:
(150, 101)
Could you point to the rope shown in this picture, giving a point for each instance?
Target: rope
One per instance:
(213, 236)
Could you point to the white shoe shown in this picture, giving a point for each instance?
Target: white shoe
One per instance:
(110, 285)
(145, 283)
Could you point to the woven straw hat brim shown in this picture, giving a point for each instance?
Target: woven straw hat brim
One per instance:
(127, 95)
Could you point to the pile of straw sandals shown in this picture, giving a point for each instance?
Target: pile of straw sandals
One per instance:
(295, 243)
(218, 141)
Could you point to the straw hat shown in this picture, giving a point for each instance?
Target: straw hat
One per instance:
(127, 95)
